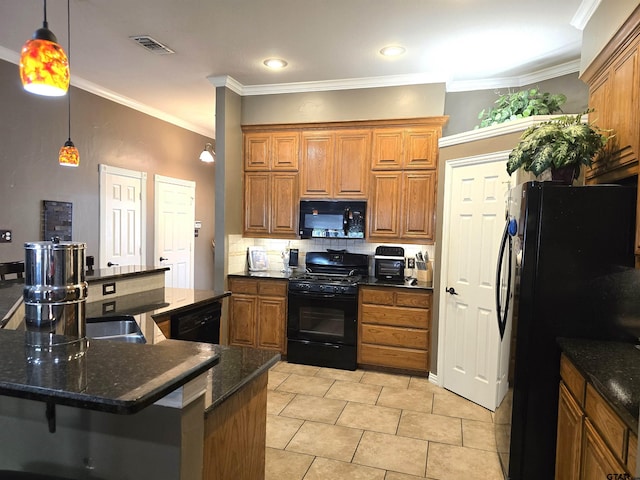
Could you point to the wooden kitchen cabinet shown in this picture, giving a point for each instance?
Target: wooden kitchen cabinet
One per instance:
(402, 206)
(592, 441)
(258, 313)
(335, 164)
(271, 151)
(400, 148)
(270, 204)
(394, 326)
(613, 78)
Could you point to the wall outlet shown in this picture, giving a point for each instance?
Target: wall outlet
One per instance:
(5, 236)
(411, 262)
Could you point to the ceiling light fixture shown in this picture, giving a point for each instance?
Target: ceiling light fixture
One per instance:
(208, 155)
(69, 155)
(392, 51)
(44, 67)
(275, 63)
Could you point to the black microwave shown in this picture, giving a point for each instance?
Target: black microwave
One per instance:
(332, 219)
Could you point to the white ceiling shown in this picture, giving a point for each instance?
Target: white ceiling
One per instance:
(329, 44)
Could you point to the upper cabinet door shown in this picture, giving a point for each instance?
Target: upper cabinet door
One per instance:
(420, 148)
(316, 172)
(257, 151)
(387, 149)
(351, 164)
(285, 150)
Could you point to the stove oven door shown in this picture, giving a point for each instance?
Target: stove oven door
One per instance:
(322, 317)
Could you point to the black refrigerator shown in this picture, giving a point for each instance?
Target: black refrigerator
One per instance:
(563, 250)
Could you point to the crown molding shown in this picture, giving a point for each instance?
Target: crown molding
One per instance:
(505, 128)
(515, 81)
(584, 13)
(228, 82)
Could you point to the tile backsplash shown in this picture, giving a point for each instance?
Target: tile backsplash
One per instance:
(238, 250)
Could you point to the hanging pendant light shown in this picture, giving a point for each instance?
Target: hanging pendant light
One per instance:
(69, 155)
(44, 68)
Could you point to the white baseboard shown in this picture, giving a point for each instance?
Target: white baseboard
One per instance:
(433, 378)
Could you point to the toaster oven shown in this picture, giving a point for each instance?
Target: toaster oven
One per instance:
(389, 263)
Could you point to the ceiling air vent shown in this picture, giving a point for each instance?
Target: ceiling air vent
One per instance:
(152, 45)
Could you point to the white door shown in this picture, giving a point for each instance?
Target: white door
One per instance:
(174, 229)
(474, 212)
(122, 216)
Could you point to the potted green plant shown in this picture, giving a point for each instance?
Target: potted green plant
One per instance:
(560, 145)
(524, 103)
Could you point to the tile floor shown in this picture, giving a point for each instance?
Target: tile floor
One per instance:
(336, 424)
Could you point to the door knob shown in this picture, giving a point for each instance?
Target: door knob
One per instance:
(109, 264)
(162, 259)
(451, 291)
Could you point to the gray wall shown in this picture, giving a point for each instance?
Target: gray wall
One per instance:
(463, 107)
(410, 101)
(32, 130)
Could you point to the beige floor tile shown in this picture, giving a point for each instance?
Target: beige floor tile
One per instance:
(450, 461)
(276, 378)
(423, 383)
(479, 435)
(281, 465)
(276, 401)
(406, 399)
(455, 406)
(386, 379)
(343, 375)
(391, 452)
(280, 430)
(354, 392)
(370, 417)
(327, 441)
(326, 410)
(435, 428)
(306, 385)
(286, 367)
(324, 469)
(402, 476)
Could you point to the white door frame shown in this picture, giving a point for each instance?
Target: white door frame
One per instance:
(142, 176)
(156, 254)
(443, 272)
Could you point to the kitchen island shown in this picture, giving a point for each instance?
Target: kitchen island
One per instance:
(191, 429)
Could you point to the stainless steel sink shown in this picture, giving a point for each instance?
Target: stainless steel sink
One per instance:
(121, 328)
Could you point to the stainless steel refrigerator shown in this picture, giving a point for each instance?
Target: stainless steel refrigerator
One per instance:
(563, 251)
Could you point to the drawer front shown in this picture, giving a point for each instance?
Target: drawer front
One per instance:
(413, 299)
(377, 296)
(243, 285)
(606, 422)
(573, 379)
(272, 287)
(394, 336)
(394, 357)
(395, 316)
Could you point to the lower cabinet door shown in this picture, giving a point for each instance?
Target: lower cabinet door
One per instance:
(569, 436)
(271, 323)
(597, 460)
(242, 320)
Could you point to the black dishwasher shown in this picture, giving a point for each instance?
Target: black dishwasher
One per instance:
(199, 324)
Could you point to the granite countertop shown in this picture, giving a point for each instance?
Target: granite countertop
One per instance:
(115, 377)
(120, 272)
(370, 281)
(613, 368)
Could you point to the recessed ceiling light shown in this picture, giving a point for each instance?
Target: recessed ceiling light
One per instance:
(275, 63)
(392, 51)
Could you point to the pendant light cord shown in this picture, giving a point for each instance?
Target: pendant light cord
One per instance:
(45, 24)
(68, 59)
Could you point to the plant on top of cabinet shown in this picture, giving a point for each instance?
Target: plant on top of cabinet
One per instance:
(524, 103)
(561, 145)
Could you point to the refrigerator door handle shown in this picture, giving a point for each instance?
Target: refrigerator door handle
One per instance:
(502, 318)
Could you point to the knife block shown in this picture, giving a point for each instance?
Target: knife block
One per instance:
(426, 274)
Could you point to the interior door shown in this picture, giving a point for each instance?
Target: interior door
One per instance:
(174, 229)
(122, 216)
(475, 212)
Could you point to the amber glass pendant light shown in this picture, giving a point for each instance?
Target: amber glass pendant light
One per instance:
(69, 155)
(44, 68)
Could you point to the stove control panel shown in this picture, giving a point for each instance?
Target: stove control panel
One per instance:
(323, 288)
